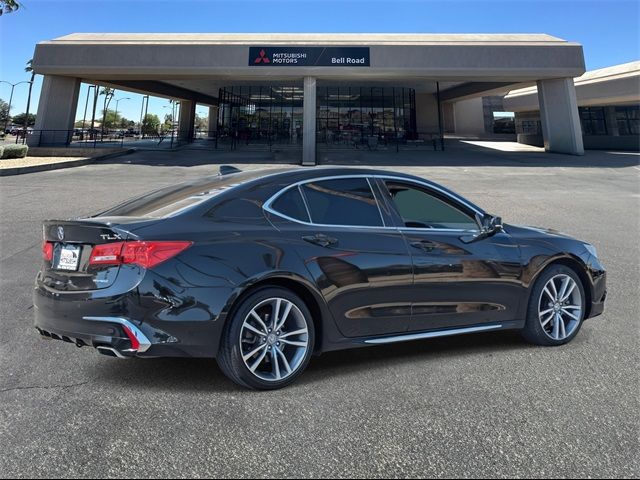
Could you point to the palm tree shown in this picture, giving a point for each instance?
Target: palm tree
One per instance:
(29, 69)
(8, 6)
(108, 95)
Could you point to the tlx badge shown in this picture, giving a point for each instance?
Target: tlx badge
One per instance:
(114, 236)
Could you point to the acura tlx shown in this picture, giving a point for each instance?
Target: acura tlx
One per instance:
(263, 269)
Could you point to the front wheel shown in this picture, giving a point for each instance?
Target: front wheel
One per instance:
(556, 307)
(268, 341)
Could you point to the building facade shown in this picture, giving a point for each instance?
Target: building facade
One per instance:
(315, 89)
(608, 107)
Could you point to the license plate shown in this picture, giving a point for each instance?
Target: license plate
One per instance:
(69, 258)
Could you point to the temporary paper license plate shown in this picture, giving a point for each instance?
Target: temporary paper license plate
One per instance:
(69, 258)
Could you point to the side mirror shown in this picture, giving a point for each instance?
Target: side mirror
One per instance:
(489, 225)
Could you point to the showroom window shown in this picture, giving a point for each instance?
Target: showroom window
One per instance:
(593, 121)
(344, 201)
(628, 119)
(348, 115)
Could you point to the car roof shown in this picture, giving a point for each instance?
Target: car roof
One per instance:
(174, 199)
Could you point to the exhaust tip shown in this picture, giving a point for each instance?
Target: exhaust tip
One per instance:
(109, 352)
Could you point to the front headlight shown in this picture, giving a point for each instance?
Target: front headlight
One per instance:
(591, 249)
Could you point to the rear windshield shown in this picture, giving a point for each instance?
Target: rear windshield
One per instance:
(176, 199)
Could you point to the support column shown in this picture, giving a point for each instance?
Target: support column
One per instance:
(213, 122)
(56, 111)
(187, 120)
(309, 122)
(561, 129)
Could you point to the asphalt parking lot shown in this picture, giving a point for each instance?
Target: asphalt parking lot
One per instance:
(474, 406)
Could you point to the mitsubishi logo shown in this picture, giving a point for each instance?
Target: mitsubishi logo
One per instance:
(262, 58)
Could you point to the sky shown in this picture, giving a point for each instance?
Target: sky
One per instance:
(608, 29)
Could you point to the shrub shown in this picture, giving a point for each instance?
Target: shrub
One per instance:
(14, 151)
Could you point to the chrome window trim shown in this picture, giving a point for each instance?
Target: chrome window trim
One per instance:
(306, 205)
(384, 224)
(455, 198)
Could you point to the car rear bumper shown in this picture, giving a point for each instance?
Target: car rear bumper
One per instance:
(128, 324)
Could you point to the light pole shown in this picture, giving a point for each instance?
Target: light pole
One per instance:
(201, 115)
(145, 99)
(13, 85)
(86, 104)
(116, 118)
(124, 98)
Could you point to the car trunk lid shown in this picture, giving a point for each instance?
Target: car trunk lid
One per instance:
(70, 245)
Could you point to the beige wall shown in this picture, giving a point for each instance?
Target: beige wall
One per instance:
(426, 113)
(469, 117)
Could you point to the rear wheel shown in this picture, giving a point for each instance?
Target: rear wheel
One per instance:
(556, 307)
(268, 341)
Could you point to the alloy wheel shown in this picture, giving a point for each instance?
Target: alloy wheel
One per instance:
(274, 339)
(560, 307)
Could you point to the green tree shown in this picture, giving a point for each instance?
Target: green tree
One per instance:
(4, 112)
(150, 124)
(168, 122)
(8, 6)
(21, 119)
(108, 96)
(202, 123)
(111, 120)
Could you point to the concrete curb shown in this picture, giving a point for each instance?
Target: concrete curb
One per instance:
(60, 165)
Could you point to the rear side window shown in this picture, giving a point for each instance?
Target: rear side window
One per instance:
(345, 201)
(290, 203)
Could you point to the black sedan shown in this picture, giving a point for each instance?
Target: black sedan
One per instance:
(261, 270)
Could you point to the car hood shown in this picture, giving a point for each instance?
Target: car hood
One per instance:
(535, 232)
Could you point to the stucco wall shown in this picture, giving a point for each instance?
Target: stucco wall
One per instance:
(426, 113)
(469, 117)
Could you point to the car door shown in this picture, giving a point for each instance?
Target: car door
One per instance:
(456, 283)
(359, 262)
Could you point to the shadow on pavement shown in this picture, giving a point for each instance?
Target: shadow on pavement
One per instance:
(203, 375)
(457, 154)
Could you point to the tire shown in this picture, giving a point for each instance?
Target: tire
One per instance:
(258, 356)
(546, 304)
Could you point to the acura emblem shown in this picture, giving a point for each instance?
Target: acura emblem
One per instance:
(60, 233)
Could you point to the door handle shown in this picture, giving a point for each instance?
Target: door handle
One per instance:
(425, 245)
(320, 239)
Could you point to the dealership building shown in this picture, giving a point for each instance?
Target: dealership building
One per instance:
(312, 90)
(608, 107)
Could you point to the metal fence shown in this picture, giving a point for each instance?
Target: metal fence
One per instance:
(231, 141)
(325, 140)
(97, 139)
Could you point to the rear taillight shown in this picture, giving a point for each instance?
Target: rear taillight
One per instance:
(146, 254)
(47, 251)
(106, 254)
(150, 254)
